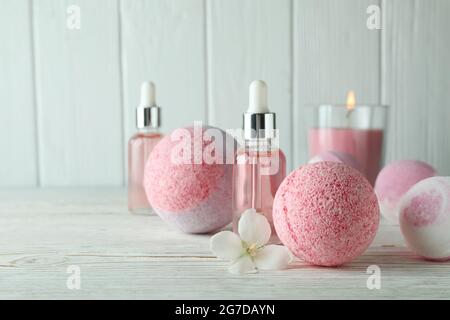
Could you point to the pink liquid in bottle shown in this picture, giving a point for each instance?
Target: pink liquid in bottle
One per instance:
(139, 148)
(257, 174)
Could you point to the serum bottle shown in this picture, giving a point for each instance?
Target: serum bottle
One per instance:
(260, 166)
(148, 122)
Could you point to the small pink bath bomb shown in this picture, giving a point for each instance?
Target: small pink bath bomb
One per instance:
(395, 180)
(183, 187)
(326, 213)
(425, 218)
(336, 156)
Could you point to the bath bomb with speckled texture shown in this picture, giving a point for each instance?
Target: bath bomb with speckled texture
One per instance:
(395, 180)
(326, 213)
(336, 156)
(186, 189)
(425, 218)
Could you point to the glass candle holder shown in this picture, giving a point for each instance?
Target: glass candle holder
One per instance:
(357, 133)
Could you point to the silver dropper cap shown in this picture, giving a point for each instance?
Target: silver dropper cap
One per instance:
(259, 122)
(148, 114)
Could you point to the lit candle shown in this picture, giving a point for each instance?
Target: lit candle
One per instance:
(354, 130)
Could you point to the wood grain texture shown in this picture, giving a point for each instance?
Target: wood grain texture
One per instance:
(334, 52)
(250, 40)
(42, 232)
(18, 163)
(78, 94)
(416, 82)
(164, 41)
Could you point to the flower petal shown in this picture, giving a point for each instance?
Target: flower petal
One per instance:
(254, 228)
(226, 245)
(243, 264)
(272, 257)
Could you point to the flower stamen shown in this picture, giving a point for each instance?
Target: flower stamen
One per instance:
(252, 250)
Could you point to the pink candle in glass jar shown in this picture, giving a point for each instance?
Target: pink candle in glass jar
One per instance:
(366, 146)
(354, 130)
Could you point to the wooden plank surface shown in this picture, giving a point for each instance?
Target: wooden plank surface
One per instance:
(18, 164)
(43, 232)
(334, 52)
(78, 93)
(249, 40)
(164, 41)
(416, 82)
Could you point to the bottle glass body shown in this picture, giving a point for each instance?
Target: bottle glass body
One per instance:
(140, 146)
(258, 171)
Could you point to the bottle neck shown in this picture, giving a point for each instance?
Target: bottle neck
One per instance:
(148, 130)
(260, 145)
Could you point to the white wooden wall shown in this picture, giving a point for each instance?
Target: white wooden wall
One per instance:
(67, 97)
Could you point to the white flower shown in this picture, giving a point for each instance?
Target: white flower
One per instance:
(248, 251)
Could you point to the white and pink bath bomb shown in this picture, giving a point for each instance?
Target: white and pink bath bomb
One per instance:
(395, 180)
(425, 218)
(193, 195)
(336, 156)
(326, 213)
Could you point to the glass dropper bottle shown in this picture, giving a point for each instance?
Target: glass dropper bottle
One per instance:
(140, 145)
(260, 165)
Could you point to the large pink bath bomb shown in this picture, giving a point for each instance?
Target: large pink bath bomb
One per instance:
(187, 180)
(425, 218)
(395, 180)
(326, 213)
(336, 156)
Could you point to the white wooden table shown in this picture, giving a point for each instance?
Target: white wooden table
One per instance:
(123, 256)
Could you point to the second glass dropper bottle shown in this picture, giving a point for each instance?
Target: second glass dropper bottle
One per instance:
(140, 145)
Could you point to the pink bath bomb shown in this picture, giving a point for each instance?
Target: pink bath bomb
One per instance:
(336, 156)
(395, 180)
(326, 213)
(425, 218)
(188, 182)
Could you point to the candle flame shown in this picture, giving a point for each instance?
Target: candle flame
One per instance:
(351, 101)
